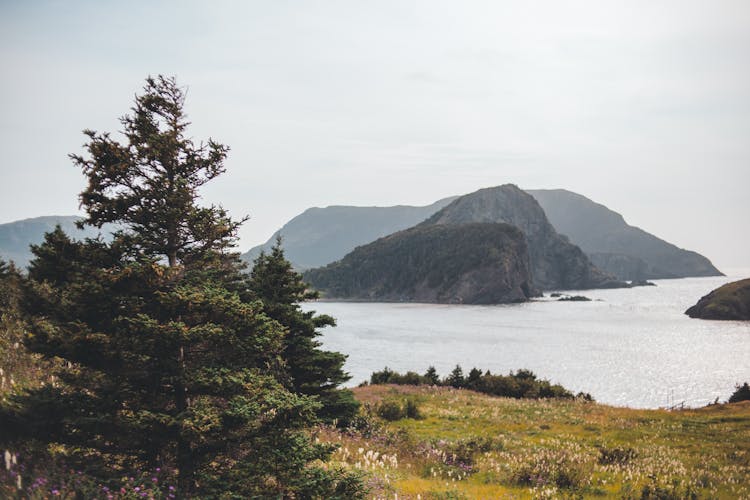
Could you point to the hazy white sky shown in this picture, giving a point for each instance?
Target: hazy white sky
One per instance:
(643, 106)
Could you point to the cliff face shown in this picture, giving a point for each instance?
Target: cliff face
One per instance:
(457, 264)
(627, 252)
(728, 302)
(555, 262)
(319, 236)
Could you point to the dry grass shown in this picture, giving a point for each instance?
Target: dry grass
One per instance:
(470, 445)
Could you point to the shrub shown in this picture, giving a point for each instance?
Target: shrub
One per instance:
(411, 409)
(616, 456)
(388, 376)
(521, 384)
(392, 410)
(551, 469)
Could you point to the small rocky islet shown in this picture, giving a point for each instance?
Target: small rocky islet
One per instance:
(728, 302)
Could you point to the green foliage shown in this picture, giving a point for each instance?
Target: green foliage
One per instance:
(18, 367)
(728, 302)
(521, 384)
(431, 376)
(456, 378)
(309, 369)
(741, 393)
(393, 410)
(388, 376)
(616, 455)
(411, 409)
(390, 410)
(167, 361)
(433, 263)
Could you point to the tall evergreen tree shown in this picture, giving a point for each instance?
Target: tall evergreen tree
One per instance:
(456, 378)
(169, 366)
(431, 376)
(309, 369)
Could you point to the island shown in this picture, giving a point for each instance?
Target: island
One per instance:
(728, 302)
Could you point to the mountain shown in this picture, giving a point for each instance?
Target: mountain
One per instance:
(319, 236)
(15, 237)
(556, 263)
(614, 246)
(729, 302)
(468, 263)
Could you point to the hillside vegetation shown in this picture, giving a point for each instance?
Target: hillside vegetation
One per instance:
(469, 263)
(728, 302)
(468, 445)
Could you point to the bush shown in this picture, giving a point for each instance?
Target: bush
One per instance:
(388, 376)
(392, 410)
(521, 384)
(411, 409)
(549, 467)
(616, 456)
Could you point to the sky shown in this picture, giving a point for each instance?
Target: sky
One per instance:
(643, 106)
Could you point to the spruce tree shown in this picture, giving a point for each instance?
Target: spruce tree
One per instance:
(456, 378)
(167, 364)
(309, 369)
(474, 378)
(431, 376)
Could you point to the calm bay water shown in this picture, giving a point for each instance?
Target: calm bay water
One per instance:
(630, 347)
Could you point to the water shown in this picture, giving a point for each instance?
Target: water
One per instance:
(629, 347)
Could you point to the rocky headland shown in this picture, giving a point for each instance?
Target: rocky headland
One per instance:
(556, 263)
(728, 302)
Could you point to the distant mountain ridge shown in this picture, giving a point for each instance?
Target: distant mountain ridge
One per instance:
(15, 237)
(314, 239)
(628, 252)
(319, 236)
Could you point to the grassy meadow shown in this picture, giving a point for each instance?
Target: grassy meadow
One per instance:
(470, 445)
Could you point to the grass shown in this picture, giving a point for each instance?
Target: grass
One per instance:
(470, 445)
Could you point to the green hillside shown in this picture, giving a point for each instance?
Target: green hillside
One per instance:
(469, 263)
(468, 445)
